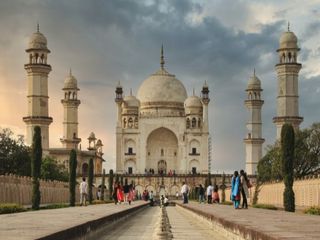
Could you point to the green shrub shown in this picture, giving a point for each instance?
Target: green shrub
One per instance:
(55, 206)
(313, 210)
(287, 151)
(36, 157)
(265, 206)
(11, 208)
(226, 203)
(72, 177)
(90, 180)
(101, 201)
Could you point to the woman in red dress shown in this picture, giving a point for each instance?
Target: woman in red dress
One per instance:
(120, 194)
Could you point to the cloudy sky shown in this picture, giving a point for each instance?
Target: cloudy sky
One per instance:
(104, 42)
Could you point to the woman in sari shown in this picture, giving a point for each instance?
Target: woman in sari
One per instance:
(131, 194)
(120, 194)
(235, 190)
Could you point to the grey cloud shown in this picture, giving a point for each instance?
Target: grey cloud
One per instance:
(108, 41)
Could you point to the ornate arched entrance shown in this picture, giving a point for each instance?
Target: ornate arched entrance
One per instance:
(162, 150)
(162, 167)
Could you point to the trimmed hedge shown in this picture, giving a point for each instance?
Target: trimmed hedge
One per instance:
(265, 206)
(313, 210)
(11, 208)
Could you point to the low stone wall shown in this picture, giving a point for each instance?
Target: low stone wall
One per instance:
(307, 192)
(18, 189)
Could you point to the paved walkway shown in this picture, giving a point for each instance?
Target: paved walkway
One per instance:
(139, 226)
(267, 223)
(37, 224)
(185, 226)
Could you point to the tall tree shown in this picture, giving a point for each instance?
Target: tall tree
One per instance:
(52, 170)
(223, 188)
(36, 167)
(72, 176)
(306, 156)
(110, 183)
(15, 156)
(287, 157)
(90, 180)
(103, 182)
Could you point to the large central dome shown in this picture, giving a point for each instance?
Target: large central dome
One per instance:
(161, 94)
(162, 87)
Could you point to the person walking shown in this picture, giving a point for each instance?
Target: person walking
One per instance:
(126, 189)
(244, 188)
(235, 190)
(185, 192)
(215, 195)
(83, 192)
(120, 195)
(115, 193)
(209, 193)
(151, 198)
(201, 194)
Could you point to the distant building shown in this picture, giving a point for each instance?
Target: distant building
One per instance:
(287, 100)
(254, 139)
(38, 110)
(288, 88)
(162, 129)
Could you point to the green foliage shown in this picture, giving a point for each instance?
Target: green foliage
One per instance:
(256, 191)
(36, 158)
(265, 206)
(90, 180)
(103, 182)
(51, 170)
(110, 183)
(313, 210)
(269, 167)
(14, 154)
(72, 176)
(287, 157)
(55, 206)
(121, 180)
(117, 178)
(306, 156)
(11, 208)
(223, 188)
(36, 194)
(102, 201)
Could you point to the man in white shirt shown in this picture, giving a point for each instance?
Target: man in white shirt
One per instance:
(185, 192)
(83, 191)
(209, 193)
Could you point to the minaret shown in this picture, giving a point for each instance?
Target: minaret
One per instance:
(287, 71)
(70, 104)
(205, 101)
(119, 100)
(254, 139)
(37, 75)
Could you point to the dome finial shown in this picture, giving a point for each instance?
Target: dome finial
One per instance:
(193, 92)
(130, 91)
(254, 72)
(288, 26)
(70, 72)
(38, 28)
(162, 58)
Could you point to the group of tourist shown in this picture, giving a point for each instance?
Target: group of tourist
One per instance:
(211, 194)
(151, 171)
(240, 185)
(123, 193)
